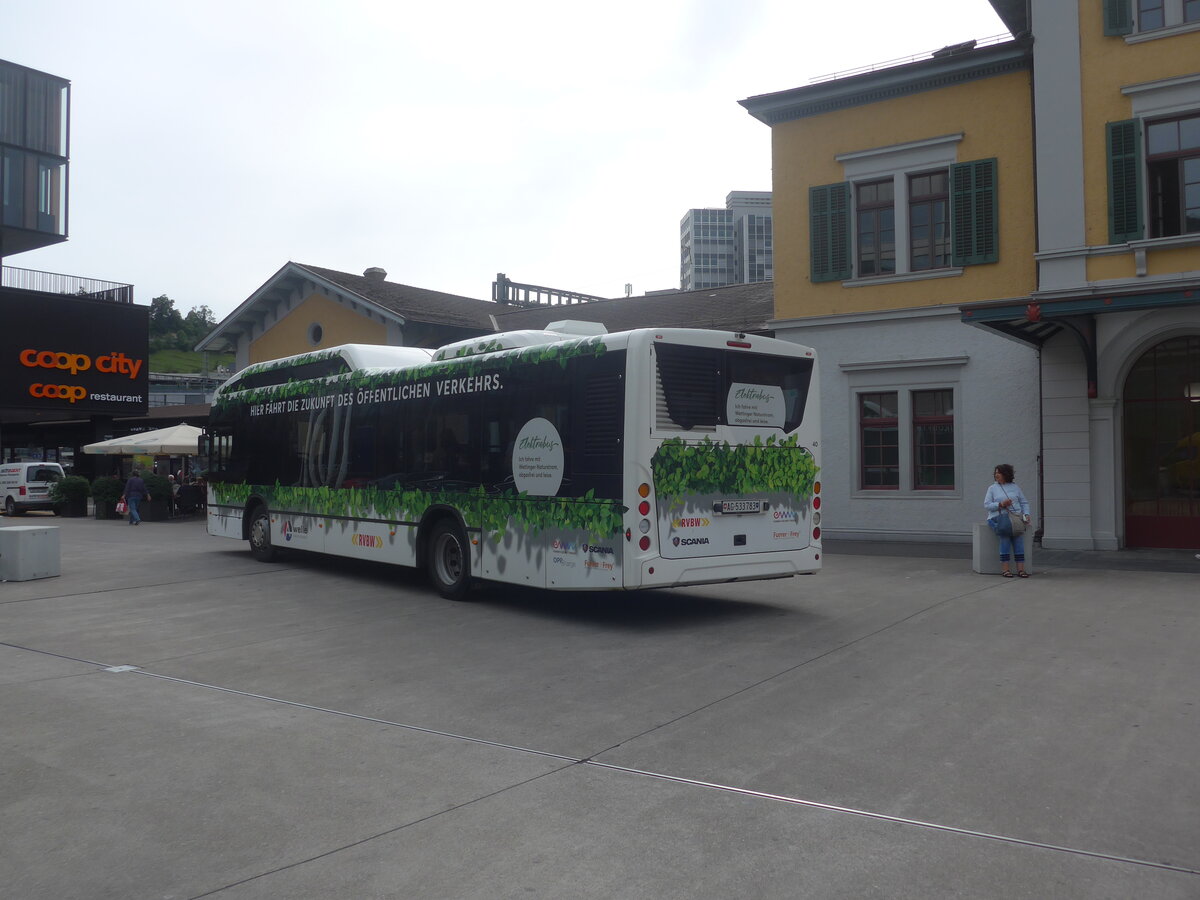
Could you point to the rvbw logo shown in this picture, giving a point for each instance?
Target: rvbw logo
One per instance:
(684, 542)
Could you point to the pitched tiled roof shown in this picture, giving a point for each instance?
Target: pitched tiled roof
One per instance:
(735, 307)
(413, 303)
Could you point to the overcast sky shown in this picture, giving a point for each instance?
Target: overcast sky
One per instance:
(558, 143)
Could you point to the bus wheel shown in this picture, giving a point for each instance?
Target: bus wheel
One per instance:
(449, 564)
(260, 535)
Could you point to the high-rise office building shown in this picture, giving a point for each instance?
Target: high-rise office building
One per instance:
(727, 246)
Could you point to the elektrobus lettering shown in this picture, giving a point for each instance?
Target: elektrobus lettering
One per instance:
(564, 459)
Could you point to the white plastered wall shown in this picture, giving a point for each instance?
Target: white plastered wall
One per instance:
(995, 381)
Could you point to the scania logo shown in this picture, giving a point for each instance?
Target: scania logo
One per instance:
(685, 542)
(593, 548)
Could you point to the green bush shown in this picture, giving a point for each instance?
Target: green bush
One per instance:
(70, 488)
(158, 487)
(108, 489)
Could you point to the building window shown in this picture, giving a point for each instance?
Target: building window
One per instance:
(948, 218)
(879, 441)
(928, 221)
(933, 440)
(1125, 17)
(876, 228)
(1173, 176)
(1151, 14)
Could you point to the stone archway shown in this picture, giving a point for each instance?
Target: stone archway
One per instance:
(1161, 406)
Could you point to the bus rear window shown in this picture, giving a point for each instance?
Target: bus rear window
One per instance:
(694, 384)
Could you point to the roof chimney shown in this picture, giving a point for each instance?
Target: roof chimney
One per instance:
(375, 274)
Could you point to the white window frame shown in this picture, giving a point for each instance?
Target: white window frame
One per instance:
(904, 377)
(1172, 23)
(897, 162)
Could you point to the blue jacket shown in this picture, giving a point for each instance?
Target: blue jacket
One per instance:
(997, 492)
(135, 488)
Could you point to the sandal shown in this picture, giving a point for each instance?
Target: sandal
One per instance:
(1007, 574)
(1022, 574)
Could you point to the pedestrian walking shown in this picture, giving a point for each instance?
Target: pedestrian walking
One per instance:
(135, 492)
(1004, 497)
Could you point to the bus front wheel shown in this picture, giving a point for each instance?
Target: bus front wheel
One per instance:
(449, 560)
(260, 535)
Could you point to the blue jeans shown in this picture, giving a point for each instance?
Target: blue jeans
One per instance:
(1008, 543)
(133, 502)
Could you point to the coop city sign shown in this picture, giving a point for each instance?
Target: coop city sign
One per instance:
(68, 353)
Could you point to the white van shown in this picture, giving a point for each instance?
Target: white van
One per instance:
(26, 485)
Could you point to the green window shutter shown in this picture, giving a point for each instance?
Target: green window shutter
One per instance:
(1124, 181)
(829, 232)
(974, 218)
(1118, 17)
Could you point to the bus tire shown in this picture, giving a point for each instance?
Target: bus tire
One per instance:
(259, 535)
(449, 561)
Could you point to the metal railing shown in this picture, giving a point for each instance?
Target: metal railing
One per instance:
(72, 285)
(514, 294)
(917, 57)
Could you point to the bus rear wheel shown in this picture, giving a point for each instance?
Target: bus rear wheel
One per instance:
(260, 535)
(449, 561)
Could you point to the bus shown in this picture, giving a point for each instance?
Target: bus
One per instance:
(566, 459)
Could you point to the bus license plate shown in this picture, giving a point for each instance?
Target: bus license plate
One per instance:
(739, 507)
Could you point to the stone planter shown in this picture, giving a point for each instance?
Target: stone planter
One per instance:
(153, 510)
(106, 509)
(74, 509)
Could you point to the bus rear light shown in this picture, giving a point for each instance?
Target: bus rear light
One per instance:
(816, 534)
(629, 534)
(741, 345)
(644, 507)
(643, 490)
(644, 543)
(644, 526)
(816, 519)
(816, 502)
(816, 487)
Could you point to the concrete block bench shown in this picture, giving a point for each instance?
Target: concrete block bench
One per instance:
(985, 551)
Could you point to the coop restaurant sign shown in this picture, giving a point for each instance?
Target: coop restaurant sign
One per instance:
(79, 357)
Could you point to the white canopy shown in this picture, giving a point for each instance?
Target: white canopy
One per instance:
(178, 440)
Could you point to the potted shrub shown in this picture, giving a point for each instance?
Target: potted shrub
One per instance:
(70, 495)
(157, 508)
(106, 491)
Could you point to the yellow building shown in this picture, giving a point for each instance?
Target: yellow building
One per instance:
(1045, 188)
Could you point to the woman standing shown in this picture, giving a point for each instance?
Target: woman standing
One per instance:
(1003, 497)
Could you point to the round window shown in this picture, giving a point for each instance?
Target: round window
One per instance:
(315, 333)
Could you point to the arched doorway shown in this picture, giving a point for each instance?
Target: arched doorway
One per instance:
(1162, 446)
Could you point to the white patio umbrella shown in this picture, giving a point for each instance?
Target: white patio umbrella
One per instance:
(178, 440)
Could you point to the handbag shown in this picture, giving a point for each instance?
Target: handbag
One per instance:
(1016, 521)
(122, 506)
